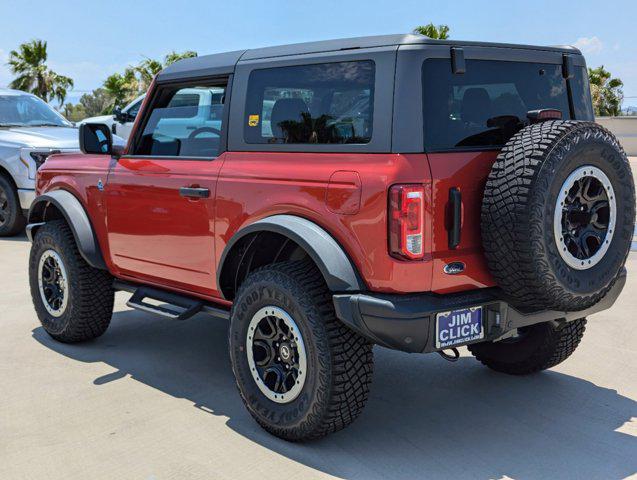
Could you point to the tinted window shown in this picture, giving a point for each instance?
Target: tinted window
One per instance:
(134, 108)
(324, 103)
(485, 106)
(184, 123)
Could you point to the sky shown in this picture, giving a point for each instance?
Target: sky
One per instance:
(90, 40)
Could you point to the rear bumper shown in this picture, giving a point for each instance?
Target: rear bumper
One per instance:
(408, 322)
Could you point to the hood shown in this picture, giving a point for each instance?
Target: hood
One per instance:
(44, 137)
(101, 119)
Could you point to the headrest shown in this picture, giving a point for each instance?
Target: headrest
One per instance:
(286, 109)
(476, 106)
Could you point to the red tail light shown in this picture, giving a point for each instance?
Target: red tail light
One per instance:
(406, 221)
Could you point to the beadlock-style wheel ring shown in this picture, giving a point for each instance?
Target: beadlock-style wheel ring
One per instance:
(52, 283)
(276, 354)
(585, 217)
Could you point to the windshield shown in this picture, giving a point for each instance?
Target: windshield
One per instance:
(28, 111)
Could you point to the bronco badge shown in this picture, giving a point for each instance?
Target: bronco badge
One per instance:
(454, 268)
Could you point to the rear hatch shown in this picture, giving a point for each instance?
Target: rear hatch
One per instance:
(469, 114)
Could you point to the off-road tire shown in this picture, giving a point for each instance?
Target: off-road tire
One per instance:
(339, 361)
(518, 214)
(16, 221)
(91, 295)
(539, 347)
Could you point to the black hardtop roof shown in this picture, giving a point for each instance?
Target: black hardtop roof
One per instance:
(224, 63)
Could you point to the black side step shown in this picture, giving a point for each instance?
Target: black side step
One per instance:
(178, 307)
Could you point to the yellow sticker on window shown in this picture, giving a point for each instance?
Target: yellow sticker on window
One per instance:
(253, 120)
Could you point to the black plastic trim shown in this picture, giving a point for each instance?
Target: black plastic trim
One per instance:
(338, 270)
(455, 212)
(187, 305)
(408, 322)
(458, 65)
(78, 221)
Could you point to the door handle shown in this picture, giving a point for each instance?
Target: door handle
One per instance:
(455, 202)
(194, 192)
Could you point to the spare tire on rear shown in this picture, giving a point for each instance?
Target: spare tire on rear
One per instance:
(558, 215)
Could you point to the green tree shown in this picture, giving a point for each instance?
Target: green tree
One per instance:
(98, 102)
(34, 76)
(173, 57)
(74, 113)
(122, 88)
(440, 32)
(606, 92)
(148, 68)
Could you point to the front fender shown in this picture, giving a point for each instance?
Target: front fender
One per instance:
(338, 270)
(77, 219)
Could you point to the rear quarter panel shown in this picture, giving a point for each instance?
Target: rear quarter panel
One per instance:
(254, 185)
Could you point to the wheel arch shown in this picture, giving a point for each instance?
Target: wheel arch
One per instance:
(284, 237)
(6, 173)
(63, 204)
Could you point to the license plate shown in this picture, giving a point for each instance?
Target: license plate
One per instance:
(459, 326)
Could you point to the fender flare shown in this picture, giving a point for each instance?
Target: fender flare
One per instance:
(338, 270)
(77, 219)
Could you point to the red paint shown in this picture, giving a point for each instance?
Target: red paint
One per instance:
(149, 233)
(468, 172)
(344, 193)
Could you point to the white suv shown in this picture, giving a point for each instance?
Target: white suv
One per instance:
(121, 121)
(30, 131)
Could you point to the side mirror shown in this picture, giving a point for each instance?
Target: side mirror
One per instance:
(96, 138)
(119, 116)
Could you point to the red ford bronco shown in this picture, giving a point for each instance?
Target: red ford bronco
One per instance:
(325, 197)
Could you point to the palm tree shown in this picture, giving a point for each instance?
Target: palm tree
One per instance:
(147, 70)
(149, 67)
(122, 88)
(606, 92)
(173, 56)
(33, 75)
(441, 32)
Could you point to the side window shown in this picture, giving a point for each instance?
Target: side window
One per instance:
(329, 103)
(184, 122)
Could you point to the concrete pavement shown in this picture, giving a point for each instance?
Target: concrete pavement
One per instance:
(155, 399)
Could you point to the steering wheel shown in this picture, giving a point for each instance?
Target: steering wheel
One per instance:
(201, 130)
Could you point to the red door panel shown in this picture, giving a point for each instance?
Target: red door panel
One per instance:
(154, 233)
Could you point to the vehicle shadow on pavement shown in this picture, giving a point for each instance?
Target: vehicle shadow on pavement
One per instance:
(18, 238)
(425, 417)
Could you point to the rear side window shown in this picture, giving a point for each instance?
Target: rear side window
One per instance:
(330, 103)
(485, 106)
(184, 122)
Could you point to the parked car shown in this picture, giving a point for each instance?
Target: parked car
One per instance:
(411, 193)
(121, 122)
(30, 130)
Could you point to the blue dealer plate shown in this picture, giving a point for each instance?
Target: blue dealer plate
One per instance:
(459, 326)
